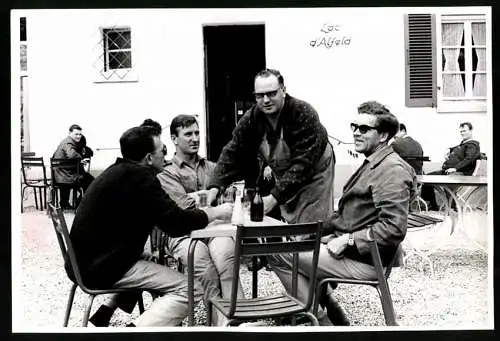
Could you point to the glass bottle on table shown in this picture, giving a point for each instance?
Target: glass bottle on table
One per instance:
(257, 207)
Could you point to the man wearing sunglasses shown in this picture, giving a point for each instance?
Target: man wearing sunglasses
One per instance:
(375, 198)
(284, 133)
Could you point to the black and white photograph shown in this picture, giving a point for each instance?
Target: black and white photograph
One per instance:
(266, 169)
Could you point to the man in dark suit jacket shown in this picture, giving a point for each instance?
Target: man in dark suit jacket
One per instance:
(409, 149)
(460, 159)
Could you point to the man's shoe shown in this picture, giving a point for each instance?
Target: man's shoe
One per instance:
(334, 311)
(102, 316)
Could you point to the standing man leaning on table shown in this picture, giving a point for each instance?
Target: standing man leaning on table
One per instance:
(184, 179)
(376, 197)
(113, 223)
(460, 159)
(285, 133)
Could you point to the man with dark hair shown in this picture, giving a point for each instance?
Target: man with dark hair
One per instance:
(284, 133)
(184, 178)
(113, 223)
(375, 199)
(152, 123)
(460, 159)
(71, 148)
(409, 149)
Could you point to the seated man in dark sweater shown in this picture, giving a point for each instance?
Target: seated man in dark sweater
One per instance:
(113, 223)
(460, 159)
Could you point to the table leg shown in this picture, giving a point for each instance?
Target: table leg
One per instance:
(460, 218)
(192, 246)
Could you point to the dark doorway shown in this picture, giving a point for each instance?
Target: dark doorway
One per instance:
(233, 55)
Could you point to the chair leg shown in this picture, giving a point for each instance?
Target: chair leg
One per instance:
(70, 304)
(387, 306)
(45, 197)
(40, 196)
(87, 311)
(209, 313)
(22, 198)
(314, 319)
(36, 197)
(140, 302)
(255, 277)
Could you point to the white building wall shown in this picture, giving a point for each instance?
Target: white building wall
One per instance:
(168, 55)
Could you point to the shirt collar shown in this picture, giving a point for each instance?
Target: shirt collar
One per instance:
(378, 155)
(179, 162)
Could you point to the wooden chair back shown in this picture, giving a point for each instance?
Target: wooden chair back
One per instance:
(295, 238)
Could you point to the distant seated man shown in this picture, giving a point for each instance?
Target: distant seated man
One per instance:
(460, 159)
(184, 179)
(375, 199)
(72, 147)
(409, 149)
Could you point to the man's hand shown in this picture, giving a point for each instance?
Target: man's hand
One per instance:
(212, 195)
(450, 170)
(268, 173)
(269, 203)
(336, 246)
(221, 212)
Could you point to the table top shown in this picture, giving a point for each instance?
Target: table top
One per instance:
(453, 179)
(220, 228)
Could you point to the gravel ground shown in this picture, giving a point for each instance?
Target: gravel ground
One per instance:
(456, 297)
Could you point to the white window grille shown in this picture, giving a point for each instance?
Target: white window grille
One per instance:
(114, 62)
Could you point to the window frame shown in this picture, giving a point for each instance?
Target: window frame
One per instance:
(467, 103)
(103, 73)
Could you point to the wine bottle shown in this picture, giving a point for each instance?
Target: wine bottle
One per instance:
(257, 207)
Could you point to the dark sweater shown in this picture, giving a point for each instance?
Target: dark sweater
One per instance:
(302, 131)
(463, 157)
(410, 151)
(115, 217)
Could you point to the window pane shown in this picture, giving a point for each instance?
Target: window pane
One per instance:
(479, 85)
(24, 58)
(478, 34)
(23, 29)
(453, 85)
(120, 60)
(118, 40)
(452, 34)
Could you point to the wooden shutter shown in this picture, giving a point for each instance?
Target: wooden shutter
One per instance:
(420, 60)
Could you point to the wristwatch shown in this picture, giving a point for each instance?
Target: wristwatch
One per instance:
(350, 241)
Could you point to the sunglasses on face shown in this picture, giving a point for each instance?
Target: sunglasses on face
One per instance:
(363, 128)
(269, 94)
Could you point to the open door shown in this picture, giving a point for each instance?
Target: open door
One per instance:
(233, 56)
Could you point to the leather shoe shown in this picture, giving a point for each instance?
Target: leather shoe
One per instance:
(334, 311)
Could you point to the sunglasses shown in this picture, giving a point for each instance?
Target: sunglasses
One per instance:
(269, 94)
(363, 128)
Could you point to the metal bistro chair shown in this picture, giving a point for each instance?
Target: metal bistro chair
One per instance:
(35, 176)
(474, 197)
(380, 283)
(69, 257)
(68, 164)
(278, 305)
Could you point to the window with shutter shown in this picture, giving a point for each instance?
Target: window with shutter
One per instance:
(420, 60)
(447, 61)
